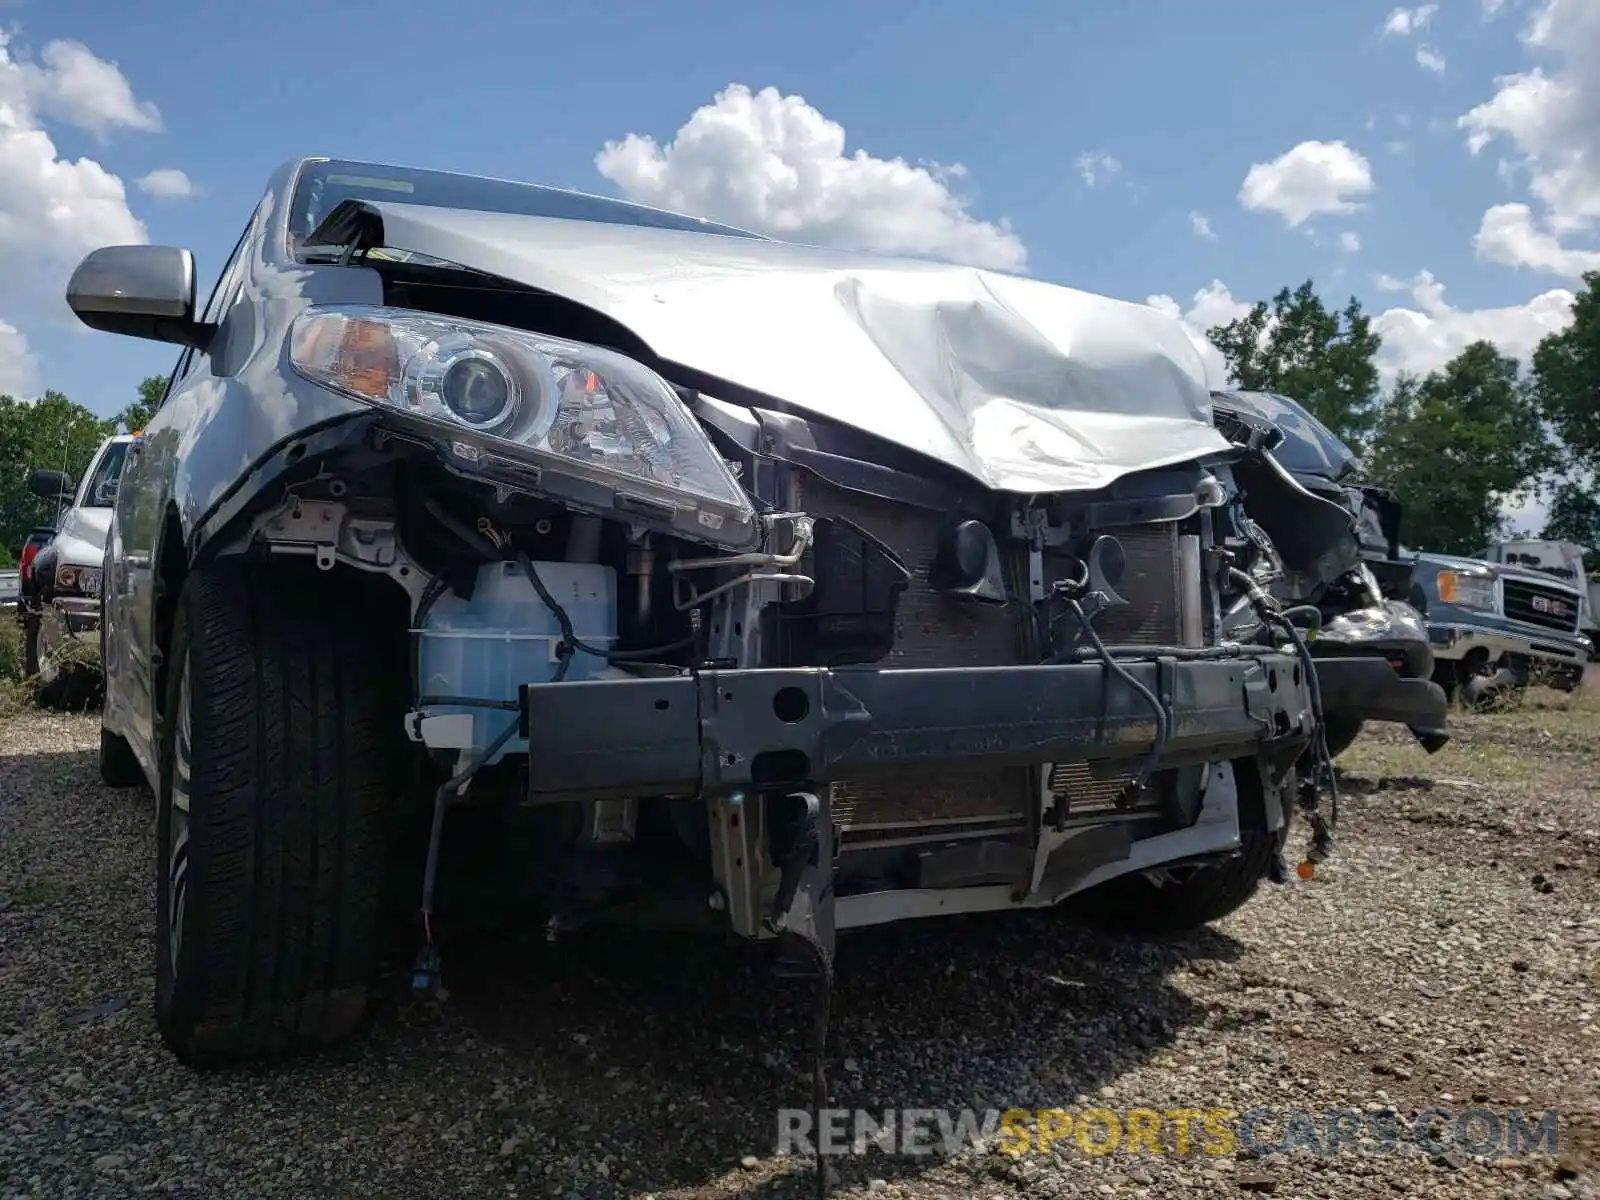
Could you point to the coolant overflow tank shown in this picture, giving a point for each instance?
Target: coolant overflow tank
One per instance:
(486, 648)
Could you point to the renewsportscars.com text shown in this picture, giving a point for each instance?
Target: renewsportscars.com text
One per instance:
(1182, 1131)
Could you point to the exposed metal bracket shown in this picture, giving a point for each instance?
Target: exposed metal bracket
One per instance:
(327, 531)
(739, 859)
(608, 821)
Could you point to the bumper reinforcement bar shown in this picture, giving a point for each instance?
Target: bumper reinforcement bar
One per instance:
(719, 730)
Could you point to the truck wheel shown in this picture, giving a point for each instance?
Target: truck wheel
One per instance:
(278, 767)
(55, 690)
(1341, 730)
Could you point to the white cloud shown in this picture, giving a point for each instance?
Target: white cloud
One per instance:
(1094, 164)
(54, 210)
(1349, 242)
(19, 370)
(1430, 59)
(1403, 22)
(1509, 234)
(1424, 338)
(1201, 225)
(70, 84)
(773, 163)
(167, 183)
(1550, 115)
(1388, 283)
(1213, 305)
(1311, 179)
(1492, 7)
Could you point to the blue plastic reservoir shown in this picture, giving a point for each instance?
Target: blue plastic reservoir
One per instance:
(487, 647)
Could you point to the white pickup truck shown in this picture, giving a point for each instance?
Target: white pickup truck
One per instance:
(1564, 560)
(68, 569)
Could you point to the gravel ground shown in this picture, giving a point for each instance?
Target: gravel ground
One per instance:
(1448, 956)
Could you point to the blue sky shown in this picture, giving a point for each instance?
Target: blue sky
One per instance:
(1100, 134)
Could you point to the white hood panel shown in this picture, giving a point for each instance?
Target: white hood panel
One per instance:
(1025, 386)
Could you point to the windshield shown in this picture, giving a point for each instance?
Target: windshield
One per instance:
(101, 491)
(323, 185)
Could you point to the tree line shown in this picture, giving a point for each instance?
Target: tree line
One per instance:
(1454, 444)
(58, 433)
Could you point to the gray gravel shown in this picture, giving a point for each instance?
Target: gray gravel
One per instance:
(1449, 955)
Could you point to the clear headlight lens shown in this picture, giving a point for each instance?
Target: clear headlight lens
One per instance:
(579, 410)
(1467, 590)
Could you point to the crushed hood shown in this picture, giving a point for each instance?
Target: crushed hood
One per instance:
(1023, 385)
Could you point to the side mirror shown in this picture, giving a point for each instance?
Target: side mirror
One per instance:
(138, 291)
(50, 485)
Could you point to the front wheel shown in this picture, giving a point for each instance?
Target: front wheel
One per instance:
(1190, 897)
(278, 768)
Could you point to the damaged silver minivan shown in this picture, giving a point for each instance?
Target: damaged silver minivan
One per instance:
(797, 589)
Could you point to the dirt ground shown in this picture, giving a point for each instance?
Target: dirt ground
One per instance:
(1447, 957)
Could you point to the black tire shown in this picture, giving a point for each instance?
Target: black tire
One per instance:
(1341, 731)
(1132, 904)
(118, 767)
(283, 716)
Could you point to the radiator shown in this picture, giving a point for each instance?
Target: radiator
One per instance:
(935, 630)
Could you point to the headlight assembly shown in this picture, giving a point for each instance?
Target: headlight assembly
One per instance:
(592, 426)
(78, 580)
(1467, 590)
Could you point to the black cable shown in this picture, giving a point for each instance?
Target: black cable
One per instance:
(1156, 707)
(430, 597)
(571, 639)
(488, 550)
(819, 1065)
(1322, 760)
(467, 702)
(441, 798)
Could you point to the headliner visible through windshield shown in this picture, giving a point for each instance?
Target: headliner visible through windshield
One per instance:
(324, 185)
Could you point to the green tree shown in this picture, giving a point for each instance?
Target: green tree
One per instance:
(137, 415)
(1456, 445)
(1300, 349)
(1575, 517)
(52, 432)
(1566, 379)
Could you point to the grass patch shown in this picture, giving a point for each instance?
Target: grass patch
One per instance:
(42, 890)
(80, 688)
(1466, 757)
(16, 693)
